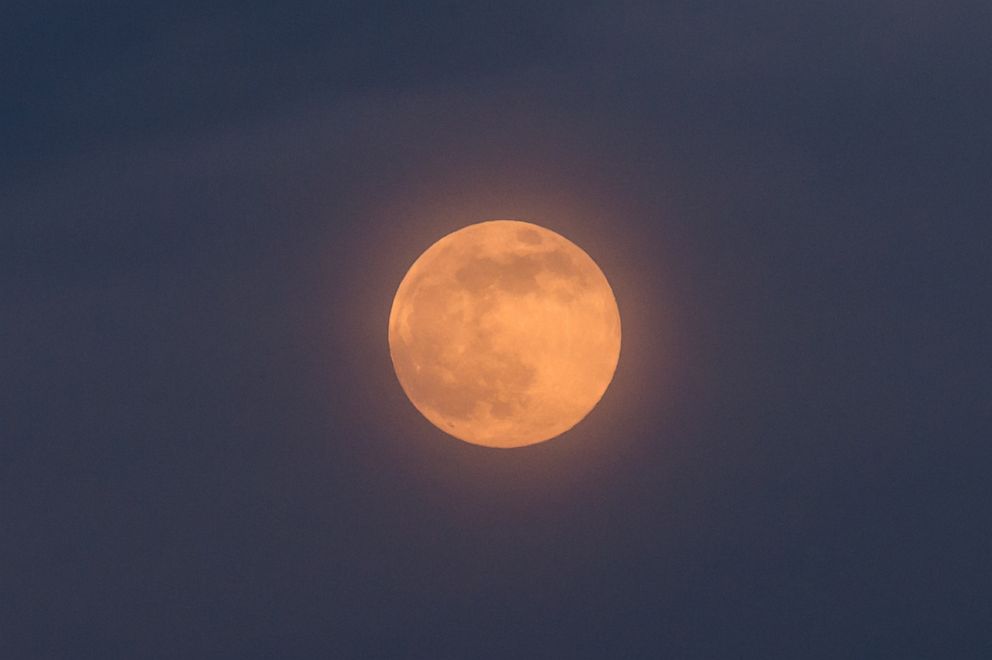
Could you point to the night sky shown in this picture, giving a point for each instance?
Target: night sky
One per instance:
(205, 213)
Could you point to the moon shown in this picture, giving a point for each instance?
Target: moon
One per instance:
(504, 334)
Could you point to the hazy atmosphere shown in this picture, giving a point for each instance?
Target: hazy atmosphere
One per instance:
(205, 213)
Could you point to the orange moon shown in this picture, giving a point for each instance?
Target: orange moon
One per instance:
(504, 334)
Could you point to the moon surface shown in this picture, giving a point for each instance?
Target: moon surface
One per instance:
(504, 334)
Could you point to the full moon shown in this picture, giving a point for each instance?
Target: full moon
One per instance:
(504, 334)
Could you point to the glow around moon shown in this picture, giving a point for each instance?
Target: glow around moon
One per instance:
(504, 334)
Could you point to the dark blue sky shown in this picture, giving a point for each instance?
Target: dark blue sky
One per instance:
(205, 211)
